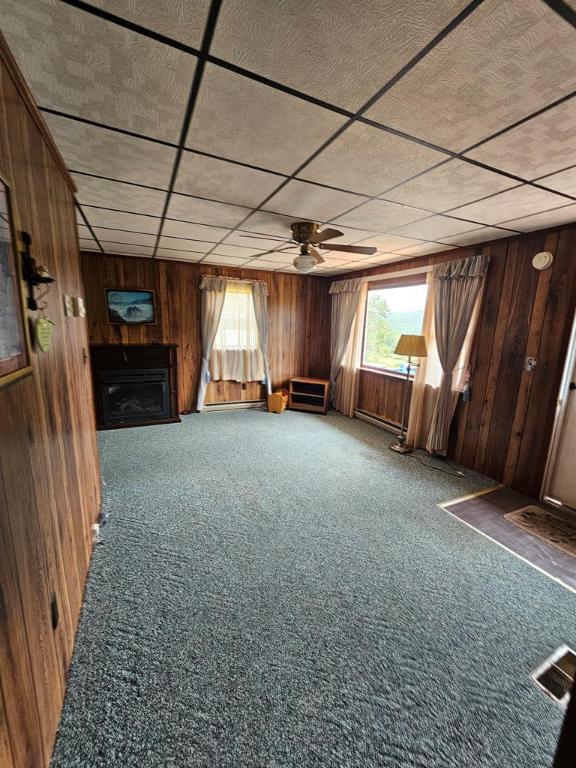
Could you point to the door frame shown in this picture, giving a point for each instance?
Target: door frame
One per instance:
(559, 417)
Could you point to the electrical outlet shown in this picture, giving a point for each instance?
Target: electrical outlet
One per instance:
(530, 364)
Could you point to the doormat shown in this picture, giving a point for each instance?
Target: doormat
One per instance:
(547, 526)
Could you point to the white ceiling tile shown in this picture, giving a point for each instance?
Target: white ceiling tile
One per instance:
(269, 266)
(178, 255)
(205, 211)
(311, 202)
(183, 244)
(182, 20)
(565, 181)
(329, 49)
(269, 224)
(252, 240)
(424, 248)
(215, 259)
(88, 244)
(83, 65)
(381, 215)
(238, 251)
(115, 194)
(244, 120)
(112, 243)
(184, 229)
(118, 236)
(127, 250)
(453, 183)
(554, 218)
(539, 146)
(482, 235)
(278, 257)
(367, 160)
(220, 180)
(100, 217)
(505, 61)
(436, 227)
(106, 153)
(517, 202)
(390, 243)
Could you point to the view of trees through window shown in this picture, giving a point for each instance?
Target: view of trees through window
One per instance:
(389, 313)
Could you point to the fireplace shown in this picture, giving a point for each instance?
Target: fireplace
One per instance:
(139, 395)
(134, 384)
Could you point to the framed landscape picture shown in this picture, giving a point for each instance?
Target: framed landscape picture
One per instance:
(130, 307)
(14, 352)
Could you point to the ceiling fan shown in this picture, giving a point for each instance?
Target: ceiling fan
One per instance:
(308, 234)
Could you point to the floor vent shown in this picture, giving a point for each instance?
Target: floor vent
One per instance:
(556, 675)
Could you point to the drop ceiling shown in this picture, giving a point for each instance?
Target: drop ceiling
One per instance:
(198, 130)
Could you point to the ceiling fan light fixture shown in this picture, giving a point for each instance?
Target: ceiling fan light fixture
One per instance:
(304, 263)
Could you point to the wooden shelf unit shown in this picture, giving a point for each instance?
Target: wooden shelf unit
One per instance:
(309, 395)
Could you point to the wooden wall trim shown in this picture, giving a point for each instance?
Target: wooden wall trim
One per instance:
(7, 58)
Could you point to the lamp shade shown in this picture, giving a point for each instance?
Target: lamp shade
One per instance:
(411, 346)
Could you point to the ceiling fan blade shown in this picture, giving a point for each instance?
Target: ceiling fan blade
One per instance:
(273, 250)
(326, 234)
(315, 255)
(349, 248)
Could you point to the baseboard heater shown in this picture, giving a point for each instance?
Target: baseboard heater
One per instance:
(389, 426)
(237, 405)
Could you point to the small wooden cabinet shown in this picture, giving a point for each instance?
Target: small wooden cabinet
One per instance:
(309, 395)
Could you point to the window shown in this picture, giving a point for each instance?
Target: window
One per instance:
(389, 313)
(236, 354)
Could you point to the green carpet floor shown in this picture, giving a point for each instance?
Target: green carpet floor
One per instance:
(282, 590)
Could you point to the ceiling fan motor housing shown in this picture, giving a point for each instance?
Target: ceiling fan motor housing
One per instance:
(304, 231)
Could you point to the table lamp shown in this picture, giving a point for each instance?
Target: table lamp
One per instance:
(409, 346)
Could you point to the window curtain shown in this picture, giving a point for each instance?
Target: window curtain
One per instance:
(346, 300)
(213, 293)
(457, 286)
(236, 353)
(260, 299)
(346, 388)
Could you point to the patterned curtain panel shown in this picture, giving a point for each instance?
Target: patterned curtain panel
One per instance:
(457, 286)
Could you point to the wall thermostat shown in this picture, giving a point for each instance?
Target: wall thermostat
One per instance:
(543, 260)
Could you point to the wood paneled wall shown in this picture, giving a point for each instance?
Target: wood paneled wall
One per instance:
(504, 430)
(49, 474)
(381, 394)
(299, 309)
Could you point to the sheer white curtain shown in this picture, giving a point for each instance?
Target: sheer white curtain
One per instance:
(236, 354)
(346, 296)
(213, 290)
(260, 299)
(346, 389)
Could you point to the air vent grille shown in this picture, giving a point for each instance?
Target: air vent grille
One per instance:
(556, 675)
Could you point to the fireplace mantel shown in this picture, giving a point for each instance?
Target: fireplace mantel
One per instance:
(135, 384)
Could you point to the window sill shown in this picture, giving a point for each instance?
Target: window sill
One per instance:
(385, 372)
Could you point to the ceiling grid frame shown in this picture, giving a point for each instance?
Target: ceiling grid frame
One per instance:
(203, 56)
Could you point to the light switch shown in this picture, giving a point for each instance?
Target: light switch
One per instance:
(68, 305)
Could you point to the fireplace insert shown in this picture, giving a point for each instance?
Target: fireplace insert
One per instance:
(135, 395)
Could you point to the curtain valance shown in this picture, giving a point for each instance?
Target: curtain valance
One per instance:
(462, 269)
(346, 286)
(219, 284)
